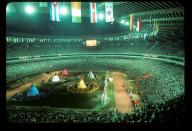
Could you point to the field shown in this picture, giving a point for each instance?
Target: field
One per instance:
(62, 98)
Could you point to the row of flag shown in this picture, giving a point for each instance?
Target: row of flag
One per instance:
(76, 14)
(76, 11)
(131, 25)
(154, 26)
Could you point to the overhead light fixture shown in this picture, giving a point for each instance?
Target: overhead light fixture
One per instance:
(101, 16)
(29, 9)
(7, 8)
(122, 21)
(63, 11)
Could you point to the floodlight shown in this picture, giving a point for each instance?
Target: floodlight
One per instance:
(29, 9)
(101, 16)
(63, 11)
(122, 21)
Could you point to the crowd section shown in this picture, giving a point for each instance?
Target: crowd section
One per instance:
(135, 43)
(172, 111)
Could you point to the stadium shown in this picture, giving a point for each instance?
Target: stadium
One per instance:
(95, 62)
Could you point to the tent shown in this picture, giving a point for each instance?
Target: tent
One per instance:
(55, 78)
(65, 72)
(90, 75)
(33, 91)
(81, 84)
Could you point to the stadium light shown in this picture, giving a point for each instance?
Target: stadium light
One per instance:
(127, 23)
(101, 16)
(63, 11)
(122, 21)
(7, 8)
(29, 9)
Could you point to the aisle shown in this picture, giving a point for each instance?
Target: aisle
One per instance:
(122, 99)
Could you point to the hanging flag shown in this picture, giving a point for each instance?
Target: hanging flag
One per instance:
(54, 11)
(154, 25)
(150, 22)
(157, 27)
(131, 22)
(139, 25)
(109, 11)
(76, 12)
(43, 4)
(93, 12)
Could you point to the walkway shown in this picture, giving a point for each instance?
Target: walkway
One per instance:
(122, 99)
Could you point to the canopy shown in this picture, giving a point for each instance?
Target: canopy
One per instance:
(81, 84)
(33, 91)
(65, 72)
(90, 75)
(55, 78)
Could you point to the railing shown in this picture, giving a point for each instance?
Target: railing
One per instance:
(165, 58)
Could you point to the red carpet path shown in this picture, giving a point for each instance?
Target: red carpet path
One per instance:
(122, 99)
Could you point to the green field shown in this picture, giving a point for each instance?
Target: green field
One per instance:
(62, 98)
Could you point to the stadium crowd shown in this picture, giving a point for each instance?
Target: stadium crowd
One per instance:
(163, 93)
(171, 111)
(152, 44)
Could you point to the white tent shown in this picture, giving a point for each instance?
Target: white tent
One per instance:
(55, 78)
(81, 84)
(90, 75)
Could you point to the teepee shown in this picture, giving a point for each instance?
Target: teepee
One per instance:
(33, 91)
(65, 72)
(55, 78)
(81, 84)
(90, 75)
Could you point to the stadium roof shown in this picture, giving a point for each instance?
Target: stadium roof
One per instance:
(168, 14)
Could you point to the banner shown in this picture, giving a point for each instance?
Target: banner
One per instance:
(131, 22)
(93, 12)
(150, 22)
(154, 25)
(157, 26)
(76, 12)
(109, 11)
(54, 11)
(139, 24)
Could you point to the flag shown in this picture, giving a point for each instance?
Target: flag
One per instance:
(54, 11)
(150, 22)
(131, 22)
(43, 4)
(109, 11)
(139, 24)
(93, 12)
(154, 25)
(157, 27)
(76, 12)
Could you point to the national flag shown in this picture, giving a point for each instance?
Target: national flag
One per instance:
(150, 22)
(54, 11)
(154, 25)
(139, 24)
(109, 11)
(76, 12)
(157, 27)
(131, 22)
(43, 4)
(93, 12)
